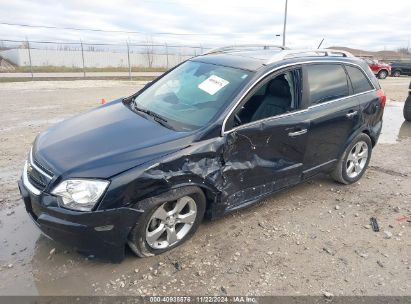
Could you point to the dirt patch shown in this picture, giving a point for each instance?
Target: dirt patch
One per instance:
(310, 239)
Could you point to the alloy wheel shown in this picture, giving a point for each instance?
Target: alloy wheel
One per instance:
(171, 222)
(357, 159)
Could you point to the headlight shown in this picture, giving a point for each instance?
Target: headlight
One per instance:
(80, 194)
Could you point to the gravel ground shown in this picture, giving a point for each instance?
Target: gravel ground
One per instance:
(313, 239)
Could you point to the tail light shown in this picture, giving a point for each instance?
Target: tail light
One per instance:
(383, 97)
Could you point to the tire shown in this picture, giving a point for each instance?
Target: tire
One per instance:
(396, 73)
(382, 74)
(407, 108)
(143, 239)
(342, 172)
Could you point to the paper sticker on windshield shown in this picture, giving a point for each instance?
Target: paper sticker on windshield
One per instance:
(213, 84)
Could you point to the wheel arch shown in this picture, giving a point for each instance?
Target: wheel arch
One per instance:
(355, 134)
(373, 140)
(396, 70)
(211, 193)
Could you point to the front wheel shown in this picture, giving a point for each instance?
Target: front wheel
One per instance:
(168, 221)
(396, 73)
(407, 108)
(382, 74)
(354, 161)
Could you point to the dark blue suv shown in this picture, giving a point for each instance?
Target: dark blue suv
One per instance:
(216, 133)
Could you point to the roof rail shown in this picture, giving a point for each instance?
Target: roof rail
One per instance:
(238, 47)
(286, 54)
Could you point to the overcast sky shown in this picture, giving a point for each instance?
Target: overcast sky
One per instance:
(367, 24)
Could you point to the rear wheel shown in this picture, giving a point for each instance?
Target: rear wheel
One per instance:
(382, 74)
(407, 108)
(354, 161)
(168, 221)
(396, 73)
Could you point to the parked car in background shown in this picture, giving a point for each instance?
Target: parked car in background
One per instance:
(217, 133)
(381, 70)
(400, 68)
(407, 105)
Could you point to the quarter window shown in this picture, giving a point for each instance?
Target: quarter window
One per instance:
(326, 82)
(359, 81)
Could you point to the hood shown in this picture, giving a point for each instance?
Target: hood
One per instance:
(384, 65)
(104, 142)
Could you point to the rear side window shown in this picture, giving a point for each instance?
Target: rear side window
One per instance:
(326, 82)
(359, 81)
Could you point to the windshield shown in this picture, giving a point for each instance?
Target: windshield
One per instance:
(191, 95)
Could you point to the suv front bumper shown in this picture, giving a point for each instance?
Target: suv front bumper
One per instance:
(102, 234)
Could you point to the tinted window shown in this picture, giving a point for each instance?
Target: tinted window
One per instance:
(326, 82)
(359, 81)
(274, 97)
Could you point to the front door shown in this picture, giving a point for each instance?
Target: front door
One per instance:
(265, 144)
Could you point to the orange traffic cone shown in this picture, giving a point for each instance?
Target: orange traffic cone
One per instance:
(103, 101)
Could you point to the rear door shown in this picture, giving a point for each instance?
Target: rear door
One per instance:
(334, 115)
(370, 107)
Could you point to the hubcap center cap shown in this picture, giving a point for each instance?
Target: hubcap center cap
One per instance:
(171, 220)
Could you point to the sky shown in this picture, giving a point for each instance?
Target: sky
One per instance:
(365, 24)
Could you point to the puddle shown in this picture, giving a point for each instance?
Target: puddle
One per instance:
(27, 268)
(395, 127)
(18, 237)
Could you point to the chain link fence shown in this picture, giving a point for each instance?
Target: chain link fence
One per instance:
(91, 58)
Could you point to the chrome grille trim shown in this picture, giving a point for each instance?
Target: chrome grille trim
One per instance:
(37, 167)
(42, 167)
(27, 183)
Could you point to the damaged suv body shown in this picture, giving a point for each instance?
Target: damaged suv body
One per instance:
(216, 133)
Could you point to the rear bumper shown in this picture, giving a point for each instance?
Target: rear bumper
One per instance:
(102, 234)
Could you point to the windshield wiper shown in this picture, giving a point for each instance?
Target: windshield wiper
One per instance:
(158, 118)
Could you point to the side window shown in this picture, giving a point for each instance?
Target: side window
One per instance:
(326, 82)
(359, 81)
(274, 96)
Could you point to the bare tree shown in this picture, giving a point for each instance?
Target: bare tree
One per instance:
(149, 51)
(404, 50)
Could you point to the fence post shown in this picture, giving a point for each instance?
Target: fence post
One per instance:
(166, 53)
(128, 57)
(31, 66)
(82, 57)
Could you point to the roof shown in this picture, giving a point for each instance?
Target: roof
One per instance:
(252, 57)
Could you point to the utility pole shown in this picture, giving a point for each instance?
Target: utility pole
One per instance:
(82, 58)
(31, 65)
(128, 60)
(285, 21)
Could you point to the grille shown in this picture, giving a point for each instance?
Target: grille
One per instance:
(37, 174)
(36, 182)
(48, 171)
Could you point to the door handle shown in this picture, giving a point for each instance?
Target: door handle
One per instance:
(297, 133)
(351, 114)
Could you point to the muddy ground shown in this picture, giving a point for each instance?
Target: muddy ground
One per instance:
(308, 240)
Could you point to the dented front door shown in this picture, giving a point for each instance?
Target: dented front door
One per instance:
(263, 157)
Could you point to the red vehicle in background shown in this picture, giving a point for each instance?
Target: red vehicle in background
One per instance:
(381, 70)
